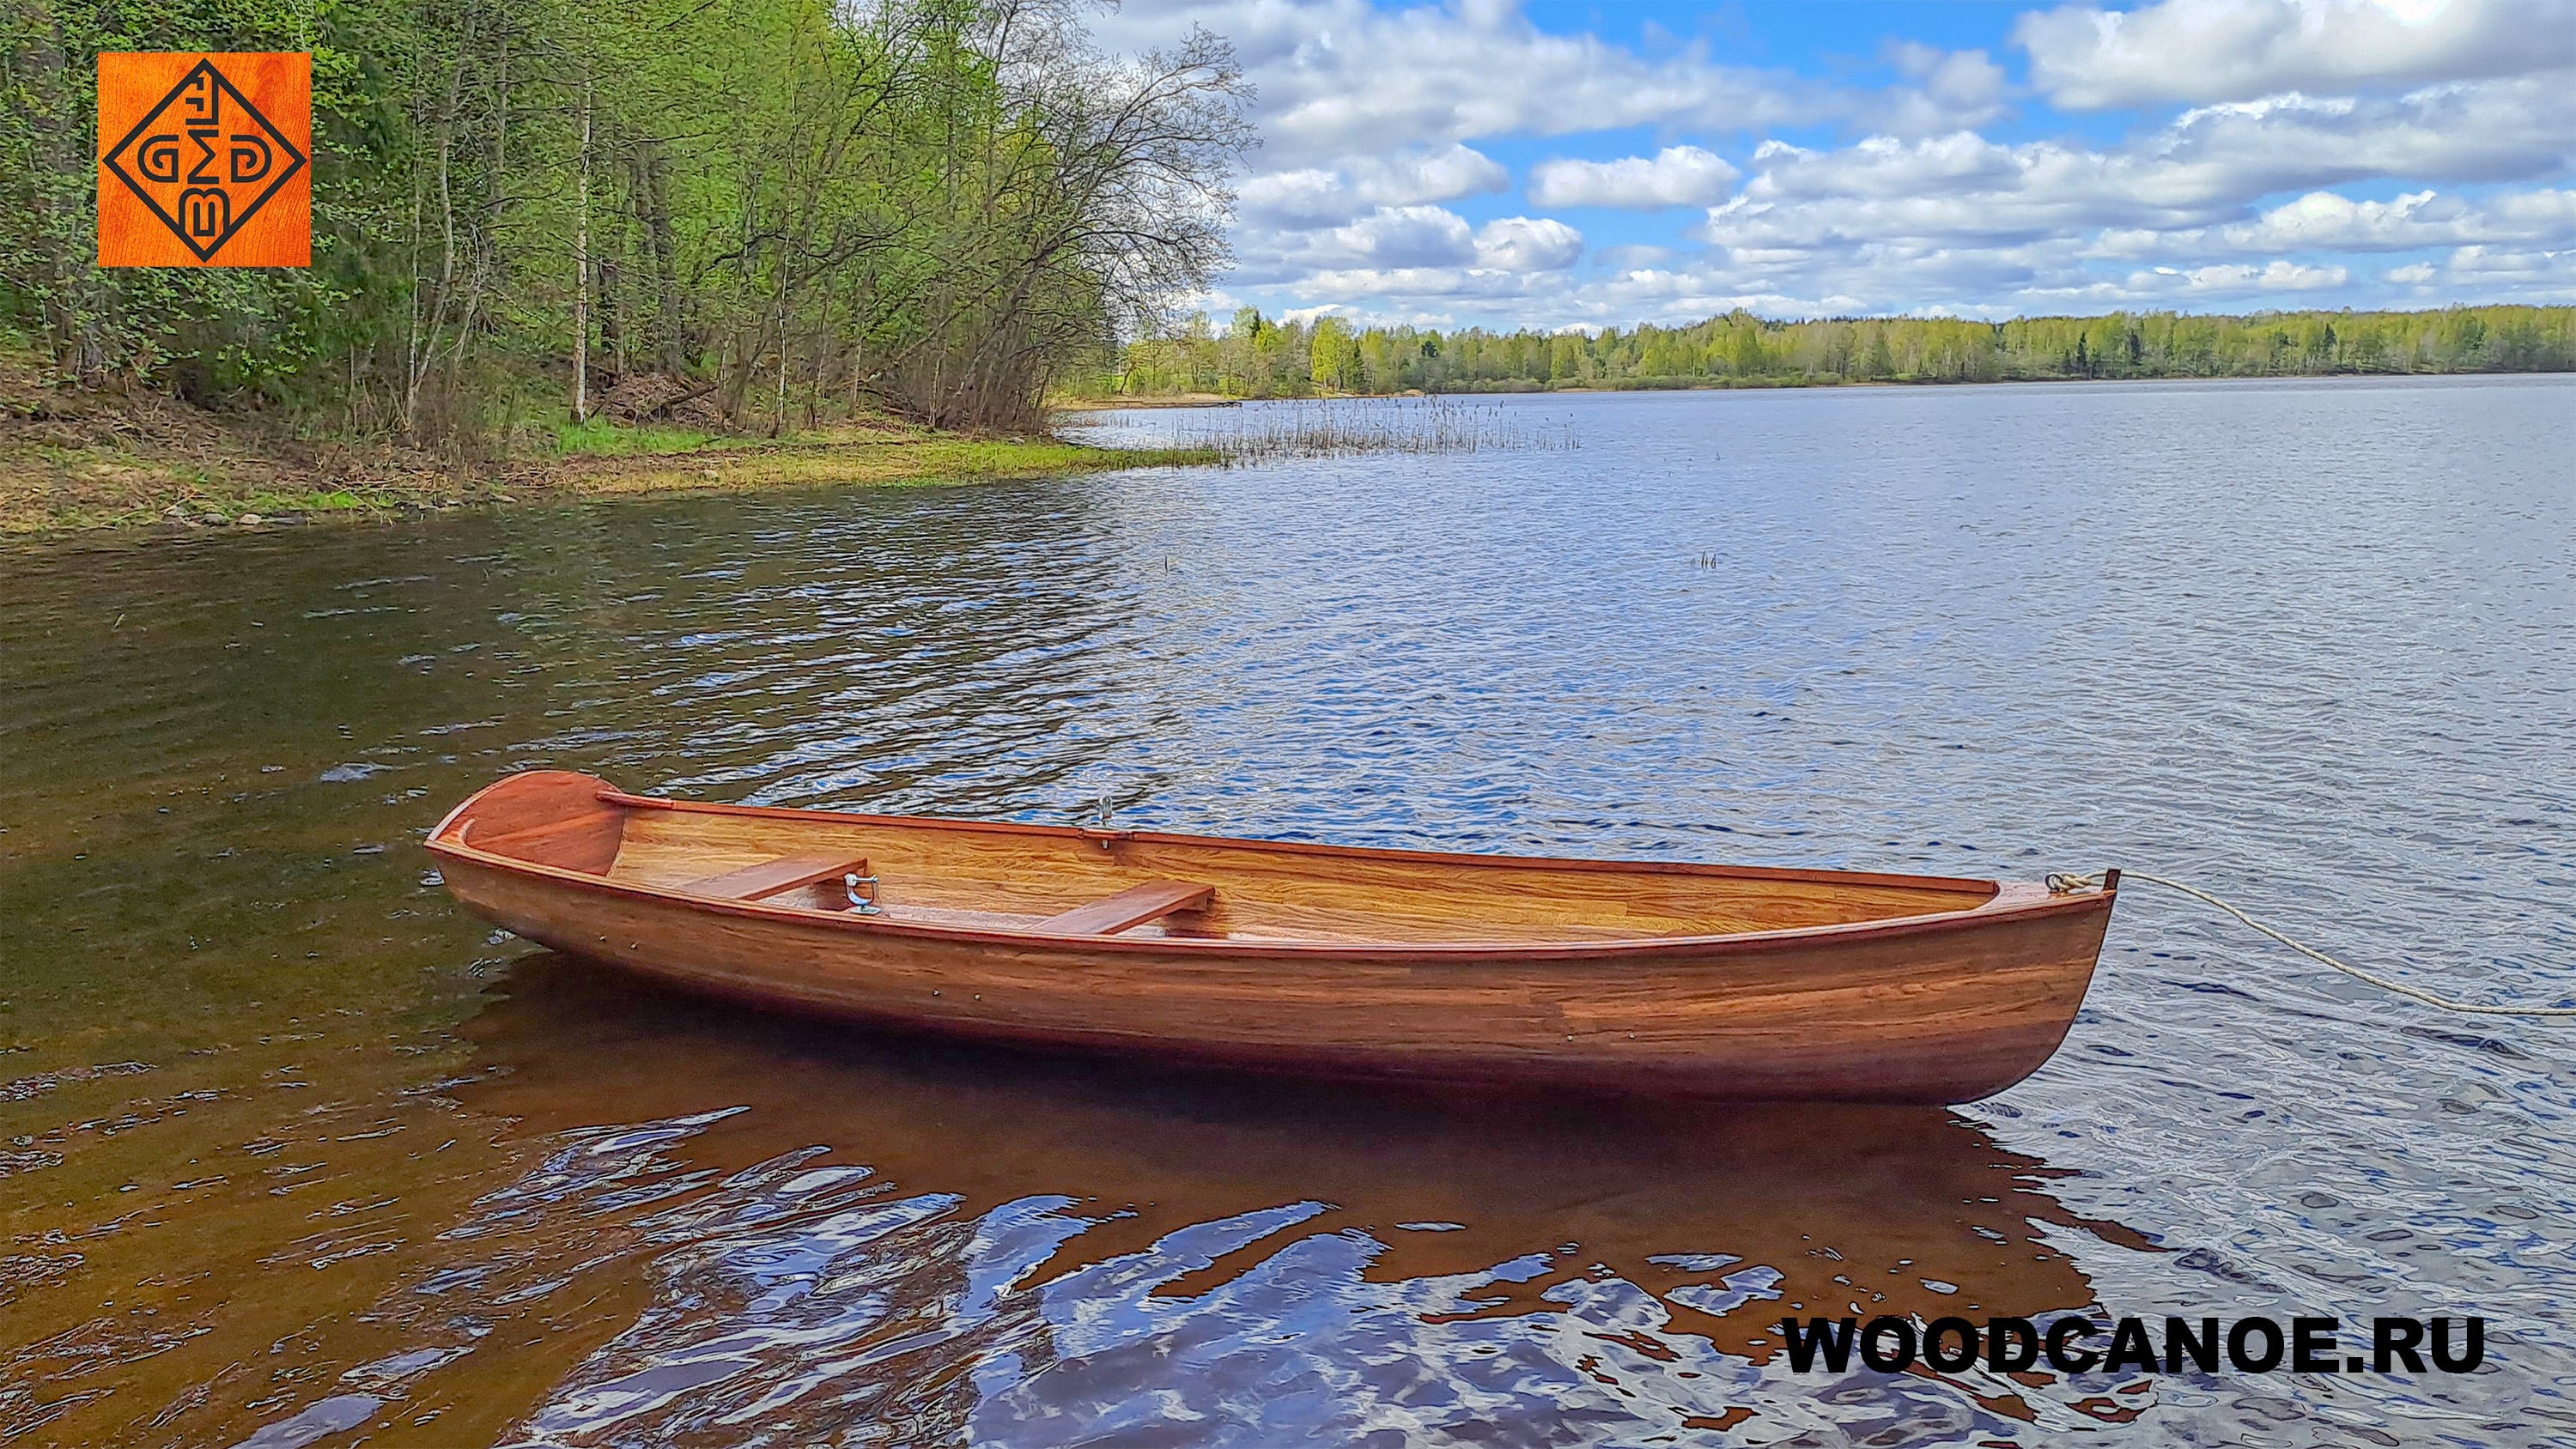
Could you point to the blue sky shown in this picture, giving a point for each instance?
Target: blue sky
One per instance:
(1565, 164)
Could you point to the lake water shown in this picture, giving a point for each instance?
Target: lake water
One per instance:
(291, 1152)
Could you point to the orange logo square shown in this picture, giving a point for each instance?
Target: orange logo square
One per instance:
(205, 160)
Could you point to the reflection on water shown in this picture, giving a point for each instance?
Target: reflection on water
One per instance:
(291, 1153)
(1022, 1212)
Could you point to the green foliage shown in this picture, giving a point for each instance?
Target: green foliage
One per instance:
(788, 207)
(600, 438)
(1260, 358)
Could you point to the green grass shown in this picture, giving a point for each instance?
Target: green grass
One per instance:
(880, 459)
(336, 500)
(600, 438)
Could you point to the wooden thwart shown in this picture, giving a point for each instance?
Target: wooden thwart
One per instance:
(1131, 907)
(776, 877)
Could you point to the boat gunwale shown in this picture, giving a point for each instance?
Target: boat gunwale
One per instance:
(2006, 903)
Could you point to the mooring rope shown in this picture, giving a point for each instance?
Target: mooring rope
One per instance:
(2067, 881)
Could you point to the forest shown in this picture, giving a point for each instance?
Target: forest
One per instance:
(760, 211)
(1258, 357)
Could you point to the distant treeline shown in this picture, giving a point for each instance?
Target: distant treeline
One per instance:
(757, 208)
(1258, 357)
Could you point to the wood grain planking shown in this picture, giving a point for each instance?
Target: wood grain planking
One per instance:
(548, 816)
(1134, 906)
(1939, 1007)
(777, 876)
(1266, 892)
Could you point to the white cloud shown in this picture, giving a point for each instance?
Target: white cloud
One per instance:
(1674, 176)
(1429, 250)
(2278, 275)
(1440, 175)
(2323, 221)
(1411, 288)
(1631, 257)
(1321, 196)
(2529, 275)
(2536, 275)
(1409, 236)
(1953, 88)
(1342, 77)
(2503, 130)
(1308, 196)
(2215, 50)
(2207, 168)
(1527, 244)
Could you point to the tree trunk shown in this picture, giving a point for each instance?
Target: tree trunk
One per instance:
(69, 326)
(581, 269)
(656, 205)
(608, 276)
(778, 416)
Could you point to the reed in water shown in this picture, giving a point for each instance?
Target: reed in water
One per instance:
(1338, 428)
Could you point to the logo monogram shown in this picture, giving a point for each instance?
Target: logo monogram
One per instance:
(204, 160)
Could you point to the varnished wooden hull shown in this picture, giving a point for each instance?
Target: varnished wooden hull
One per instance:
(1493, 969)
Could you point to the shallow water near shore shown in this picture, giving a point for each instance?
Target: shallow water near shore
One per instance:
(293, 1153)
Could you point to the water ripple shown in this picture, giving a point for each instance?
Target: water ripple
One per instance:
(2310, 645)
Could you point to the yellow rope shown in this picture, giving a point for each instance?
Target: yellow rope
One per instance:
(2064, 882)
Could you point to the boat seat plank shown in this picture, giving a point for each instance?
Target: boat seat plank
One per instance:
(1133, 906)
(776, 877)
(905, 913)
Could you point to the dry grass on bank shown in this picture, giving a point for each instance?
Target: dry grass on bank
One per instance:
(78, 460)
(1122, 403)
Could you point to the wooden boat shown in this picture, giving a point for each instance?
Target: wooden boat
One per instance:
(1630, 977)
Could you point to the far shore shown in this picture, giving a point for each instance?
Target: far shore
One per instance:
(1827, 383)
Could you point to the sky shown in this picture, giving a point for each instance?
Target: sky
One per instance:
(1487, 162)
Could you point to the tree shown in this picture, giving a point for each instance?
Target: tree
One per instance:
(938, 206)
(1334, 355)
(1260, 358)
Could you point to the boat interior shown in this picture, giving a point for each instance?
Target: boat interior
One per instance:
(1061, 882)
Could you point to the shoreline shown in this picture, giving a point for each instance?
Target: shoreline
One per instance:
(1160, 400)
(74, 463)
(1826, 383)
